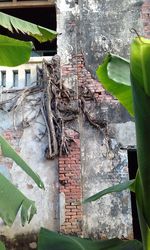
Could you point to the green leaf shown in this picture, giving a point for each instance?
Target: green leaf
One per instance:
(49, 240)
(14, 52)
(145, 228)
(115, 188)
(2, 247)
(9, 152)
(47, 34)
(40, 33)
(119, 70)
(140, 61)
(11, 200)
(114, 75)
(142, 120)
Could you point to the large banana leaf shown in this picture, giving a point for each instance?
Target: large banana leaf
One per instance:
(9, 152)
(40, 33)
(140, 80)
(114, 75)
(11, 200)
(49, 240)
(14, 52)
(140, 77)
(116, 188)
(145, 230)
(2, 247)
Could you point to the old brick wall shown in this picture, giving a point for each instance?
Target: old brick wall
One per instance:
(70, 167)
(71, 186)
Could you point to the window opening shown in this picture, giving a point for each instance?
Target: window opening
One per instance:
(133, 166)
(15, 78)
(27, 77)
(3, 78)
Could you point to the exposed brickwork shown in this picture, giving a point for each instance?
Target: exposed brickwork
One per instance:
(82, 77)
(70, 166)
(70, 185)
(85, 79)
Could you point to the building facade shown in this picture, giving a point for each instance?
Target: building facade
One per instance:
(99, 129)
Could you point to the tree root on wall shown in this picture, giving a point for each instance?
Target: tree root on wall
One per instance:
(56, 103)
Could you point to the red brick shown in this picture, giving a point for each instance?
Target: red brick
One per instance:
(70, 207)
(70, 213)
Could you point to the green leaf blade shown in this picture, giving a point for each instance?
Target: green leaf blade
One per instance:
(142, 120)
(14, 52)
(119, 70)
(145, 230)
(2, 246)
(40, 33)
(115, 188)
(47, 34)
(28, 210)
(110, 75)
(9, 152)
(9, 206)
(49, 240)
(140, 61)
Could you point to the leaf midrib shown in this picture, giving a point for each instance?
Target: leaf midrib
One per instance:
(79, 244)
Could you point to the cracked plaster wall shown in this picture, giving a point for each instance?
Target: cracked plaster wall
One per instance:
(31, 143)
(104, 163)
